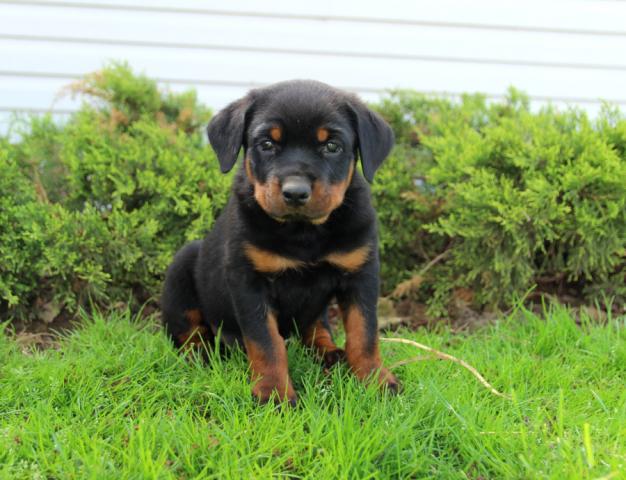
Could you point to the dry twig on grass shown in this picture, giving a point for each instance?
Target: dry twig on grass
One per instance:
(442, 356)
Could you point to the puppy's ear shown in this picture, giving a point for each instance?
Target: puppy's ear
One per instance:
(226, 132)
(375, 138)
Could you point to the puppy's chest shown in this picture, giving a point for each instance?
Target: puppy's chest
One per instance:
(300, 286)
(275, 264)
(302, 295)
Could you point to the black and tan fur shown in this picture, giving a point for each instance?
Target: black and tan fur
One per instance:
(299, 229)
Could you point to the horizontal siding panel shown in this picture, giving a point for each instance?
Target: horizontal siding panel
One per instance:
(569, 52)
(334, 38)
(33, 94)
(360, 74)
(51, 94)
(593, 17)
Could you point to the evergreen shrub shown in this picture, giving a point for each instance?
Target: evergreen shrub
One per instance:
(484, 198)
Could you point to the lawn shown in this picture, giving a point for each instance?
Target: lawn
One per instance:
(114, 400)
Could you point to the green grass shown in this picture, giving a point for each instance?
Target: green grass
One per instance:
(116, 401)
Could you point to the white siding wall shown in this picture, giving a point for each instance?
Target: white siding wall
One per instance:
(569, 52)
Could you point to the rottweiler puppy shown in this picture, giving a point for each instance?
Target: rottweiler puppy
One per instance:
(298, 230)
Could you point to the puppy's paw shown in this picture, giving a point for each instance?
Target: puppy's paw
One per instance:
(388, 381)
(269, 389)
(330, 358)
(381, 376)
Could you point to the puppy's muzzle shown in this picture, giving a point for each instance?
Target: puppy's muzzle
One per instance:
(296, 191)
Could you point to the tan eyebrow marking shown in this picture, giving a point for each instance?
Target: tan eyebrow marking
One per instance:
(276, 133)
(322, 134)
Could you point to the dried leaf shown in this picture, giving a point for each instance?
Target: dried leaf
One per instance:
(407, 287)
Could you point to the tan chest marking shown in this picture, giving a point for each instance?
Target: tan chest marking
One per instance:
(269, 262)
(350, 261)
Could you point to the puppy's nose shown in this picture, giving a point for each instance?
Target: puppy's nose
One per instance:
(296, 191)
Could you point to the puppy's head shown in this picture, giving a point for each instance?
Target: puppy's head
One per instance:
(300, 140)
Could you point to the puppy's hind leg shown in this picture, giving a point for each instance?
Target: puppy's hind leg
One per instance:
(319, 338)
(180, 305)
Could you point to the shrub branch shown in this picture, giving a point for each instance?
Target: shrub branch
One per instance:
(415, 281)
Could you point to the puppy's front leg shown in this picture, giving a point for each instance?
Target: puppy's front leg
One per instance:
(267, 355)
(358, 309)
(265, 347)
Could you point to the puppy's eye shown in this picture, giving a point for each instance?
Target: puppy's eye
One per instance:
(332, 147)
(267, 145)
